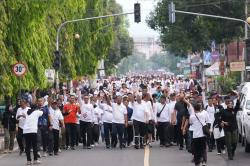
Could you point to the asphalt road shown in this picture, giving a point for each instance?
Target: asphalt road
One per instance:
(99, 156)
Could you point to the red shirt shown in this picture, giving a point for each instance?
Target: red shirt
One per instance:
(72, 109)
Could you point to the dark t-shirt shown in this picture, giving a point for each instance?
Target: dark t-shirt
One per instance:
(182, 111)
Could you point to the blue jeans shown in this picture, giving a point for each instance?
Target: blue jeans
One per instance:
(118, 129)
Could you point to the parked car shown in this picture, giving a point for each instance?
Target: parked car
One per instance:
(243, 116)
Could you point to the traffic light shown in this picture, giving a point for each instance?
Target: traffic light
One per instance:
(57, 60)
(137, 12)
(171, 12)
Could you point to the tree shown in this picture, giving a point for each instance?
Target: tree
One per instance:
(123, 44)
(194, 33)
(28, 33)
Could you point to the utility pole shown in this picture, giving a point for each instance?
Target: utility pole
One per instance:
(243, 73)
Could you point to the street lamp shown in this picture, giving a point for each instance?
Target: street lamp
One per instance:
(77, 36)
(248, 20)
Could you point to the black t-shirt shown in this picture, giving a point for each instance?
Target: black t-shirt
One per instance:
(182, 111)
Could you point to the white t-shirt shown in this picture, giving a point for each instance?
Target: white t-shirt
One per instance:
(56, 116)
(31, 122)
(107, 115)
(165, 114)
(97, 115)
(171, 106)
(118, 113)
(21, 111)
(210, 111)
(87, 112)
(151, 114)
(191, 112)
(197, 126)
(139, 111)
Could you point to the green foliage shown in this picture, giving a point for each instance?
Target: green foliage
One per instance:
(138, 63)
(194, 33)
(28, 32)
(229, 82)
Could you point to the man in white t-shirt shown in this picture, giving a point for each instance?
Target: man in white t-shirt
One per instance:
(119, 121)
(57, 122)
(86, 119)
(20, 116)
(163, 121)
(210, 111)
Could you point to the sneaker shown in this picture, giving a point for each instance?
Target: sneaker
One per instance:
(89, 147)
(73, 148)
(223, 152)
(50, 154)
(38, 154)
(37, 162)
(136, 146)
(5, 151)
(218, 153)
(59, 150)
(56, 154)
(44, 154)
(203, 163)
(28, 162)
(20, 152)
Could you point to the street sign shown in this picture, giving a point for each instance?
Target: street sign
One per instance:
(237, 66)
(19, 69)
(50, 74)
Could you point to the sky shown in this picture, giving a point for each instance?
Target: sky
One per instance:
(139, 29)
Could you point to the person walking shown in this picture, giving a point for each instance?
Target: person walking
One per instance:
(139, 118)
(107, 117)
(198, 120)
(70, 119)
(9, 124)
(229, 124)
(163, 122)
(220, 136)
(119, 121)
(30, 129)
(20, 117)
(86, 119)
(57, 122)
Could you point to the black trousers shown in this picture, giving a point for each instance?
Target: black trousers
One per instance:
(107, 132)
(118, 128)
(96, 133)
(20, 139)
(164, 134)
(43, 137)
(78, 134)
(31, 141)
(54, 141)
(129, 134)
(180, 137)
(211, 140)
(220, 144)
(139, 128)
(199, 147)
(86, 129)
(70, 134)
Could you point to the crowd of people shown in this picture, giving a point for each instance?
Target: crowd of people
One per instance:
(123, 112)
